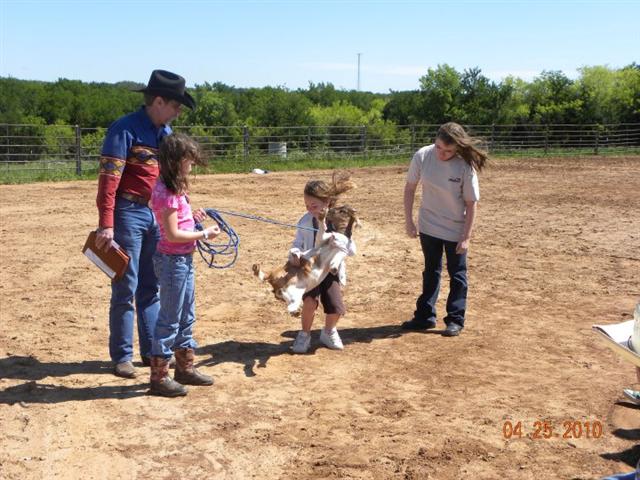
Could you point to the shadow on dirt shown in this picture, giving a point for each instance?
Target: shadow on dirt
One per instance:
(248, 354)
(631, 456)
(256, 354)
(32, 370)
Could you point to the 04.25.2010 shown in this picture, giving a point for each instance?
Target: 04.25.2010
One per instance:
(545, 430)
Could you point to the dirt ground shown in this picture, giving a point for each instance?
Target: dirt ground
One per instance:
(556, 249)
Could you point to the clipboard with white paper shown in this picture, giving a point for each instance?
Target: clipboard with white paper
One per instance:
(112, 261)
(617, 336)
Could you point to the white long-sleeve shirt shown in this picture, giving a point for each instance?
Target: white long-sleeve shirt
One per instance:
(304, 242)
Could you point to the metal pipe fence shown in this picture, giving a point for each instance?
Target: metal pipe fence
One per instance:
(72, 148)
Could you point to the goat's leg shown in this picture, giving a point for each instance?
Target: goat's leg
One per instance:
(258, 273)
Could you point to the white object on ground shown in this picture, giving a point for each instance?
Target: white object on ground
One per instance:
(633, 395)
(635, 336)
(617, 336)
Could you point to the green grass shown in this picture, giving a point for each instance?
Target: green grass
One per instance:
(57, 171)
(292, 163)
(15, 174)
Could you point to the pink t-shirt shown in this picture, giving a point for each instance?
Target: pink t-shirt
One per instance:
(162, 199)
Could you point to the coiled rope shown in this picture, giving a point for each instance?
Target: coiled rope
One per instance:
(208, 250)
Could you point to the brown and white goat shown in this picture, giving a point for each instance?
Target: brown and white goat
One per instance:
(290, 282)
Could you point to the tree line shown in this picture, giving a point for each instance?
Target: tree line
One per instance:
(599, 95)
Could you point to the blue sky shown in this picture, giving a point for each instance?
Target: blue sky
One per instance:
(291, 43)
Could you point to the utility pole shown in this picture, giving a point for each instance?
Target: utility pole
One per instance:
(359, 71)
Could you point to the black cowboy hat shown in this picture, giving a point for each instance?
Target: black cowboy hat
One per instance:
(168, 85)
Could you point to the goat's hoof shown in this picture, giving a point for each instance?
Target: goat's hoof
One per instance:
(256, 269)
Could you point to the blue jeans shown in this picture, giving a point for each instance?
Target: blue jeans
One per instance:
(456, 266)
(136, 230)
(174, 328)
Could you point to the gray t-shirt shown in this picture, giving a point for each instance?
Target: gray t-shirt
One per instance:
(445, 188)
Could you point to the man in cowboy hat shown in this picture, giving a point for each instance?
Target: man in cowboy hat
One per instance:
(128, 171)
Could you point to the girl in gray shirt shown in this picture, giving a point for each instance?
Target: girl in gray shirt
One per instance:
(450, 194)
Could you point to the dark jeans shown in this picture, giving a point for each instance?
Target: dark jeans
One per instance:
(456, 266)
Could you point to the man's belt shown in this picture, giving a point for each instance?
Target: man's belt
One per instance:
(134, 198)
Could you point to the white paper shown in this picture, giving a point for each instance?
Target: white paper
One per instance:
(617, 336)
(619, 332)
(99, 263)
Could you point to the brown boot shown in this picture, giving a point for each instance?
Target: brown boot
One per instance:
(146, 361)
(186, 373)
(161, 383)
(125, 370)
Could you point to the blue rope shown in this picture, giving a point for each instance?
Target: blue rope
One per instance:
(262, 219)
(209, 251)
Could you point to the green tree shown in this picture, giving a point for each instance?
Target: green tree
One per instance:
(212, 109)
(404, 108)
(442, 92)
(610, 96)
(481, 100)
(322, 94)
(515, 107)
(553, 98)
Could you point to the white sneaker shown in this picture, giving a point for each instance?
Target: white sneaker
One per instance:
(331, 340)
(302, 342)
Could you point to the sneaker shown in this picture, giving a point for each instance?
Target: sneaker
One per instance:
(331, 340)
(302, 342)
(633, 395)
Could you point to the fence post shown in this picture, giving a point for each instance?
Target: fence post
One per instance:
(596, 147)
(363, 138)
(308, 139)
(413, 137)
(546, 139)
(493, 136)
(245, 143)
(78, 152)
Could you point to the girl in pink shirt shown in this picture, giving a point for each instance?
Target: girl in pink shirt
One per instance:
(173, 263)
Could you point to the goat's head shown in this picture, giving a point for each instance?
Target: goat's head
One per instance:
(343, 218)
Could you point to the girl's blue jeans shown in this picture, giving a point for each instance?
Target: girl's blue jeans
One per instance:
(456, 267)
(174, 328)
(136, 231)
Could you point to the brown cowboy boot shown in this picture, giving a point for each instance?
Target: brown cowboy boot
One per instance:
(161, 383)
(186, 373)
(146, 361)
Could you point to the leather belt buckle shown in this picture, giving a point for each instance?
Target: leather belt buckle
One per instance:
(134, 198)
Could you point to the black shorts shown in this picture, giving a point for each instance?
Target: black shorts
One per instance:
(330, 294)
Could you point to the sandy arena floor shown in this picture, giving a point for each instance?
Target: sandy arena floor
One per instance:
(556, 249)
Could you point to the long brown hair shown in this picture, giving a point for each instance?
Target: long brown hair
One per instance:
(174, 149)
(340, 183)
(452, 133)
